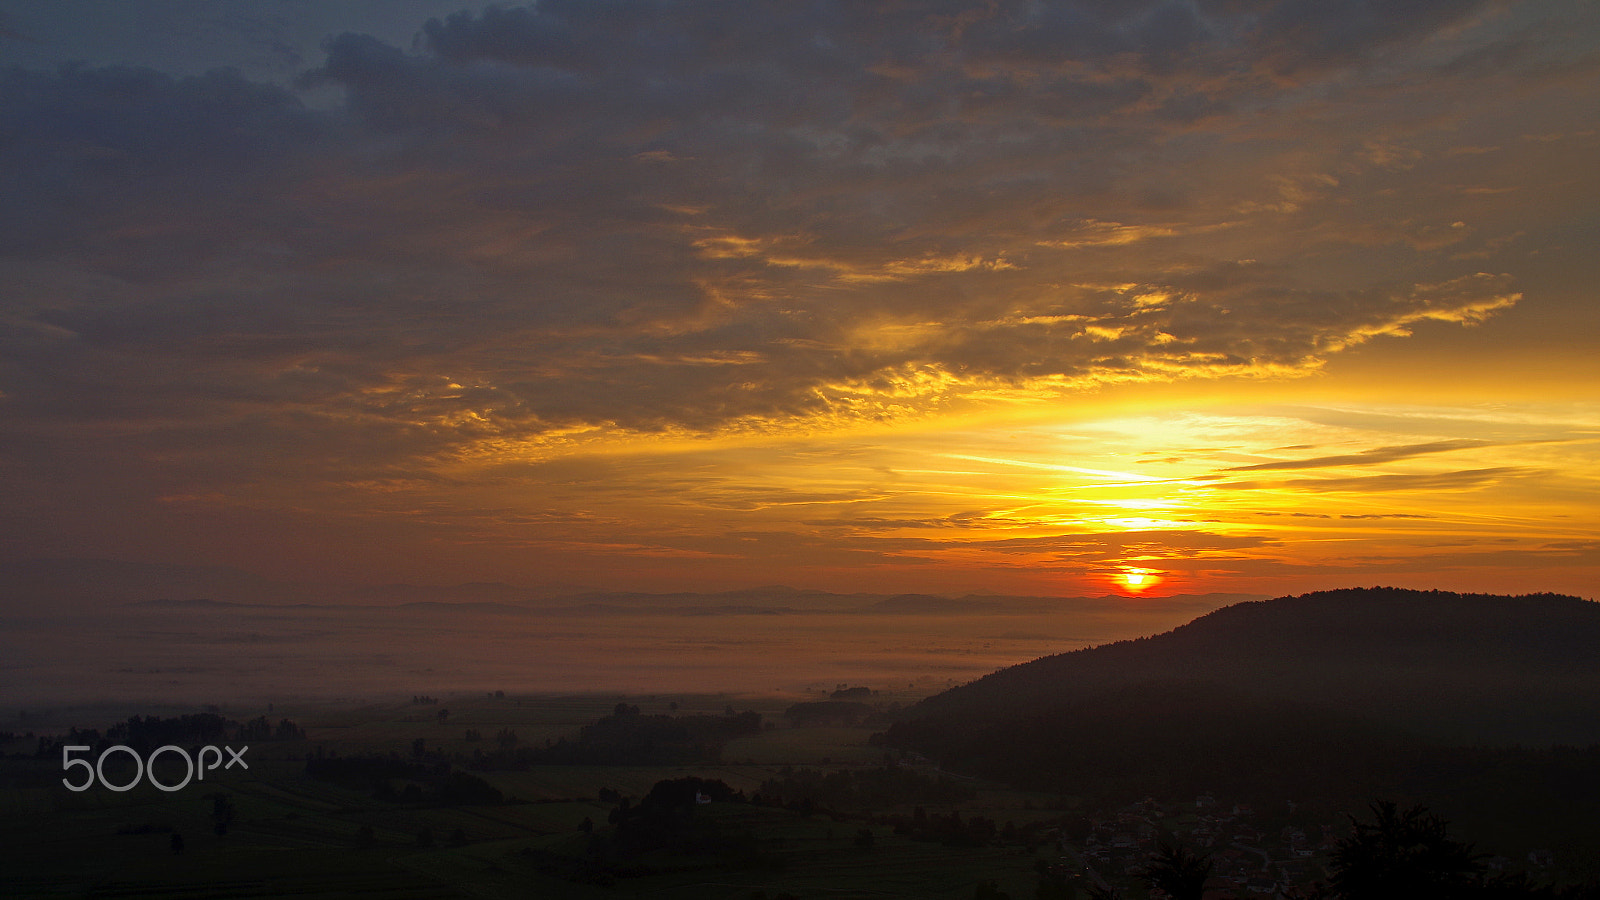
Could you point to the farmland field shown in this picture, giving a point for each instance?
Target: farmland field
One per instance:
(290, 834)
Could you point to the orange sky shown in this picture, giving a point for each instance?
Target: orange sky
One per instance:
(1025, 299)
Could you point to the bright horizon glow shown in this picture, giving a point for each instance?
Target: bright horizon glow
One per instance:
(1229, 497)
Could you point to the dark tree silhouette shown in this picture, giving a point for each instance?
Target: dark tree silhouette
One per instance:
(1403, 854)
(1053, 883)
(989, 890)
(1178, 872)
(1096, 892)
(222, 813)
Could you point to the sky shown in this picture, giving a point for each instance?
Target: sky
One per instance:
(1049, 299)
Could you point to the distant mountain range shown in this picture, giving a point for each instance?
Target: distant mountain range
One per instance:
(76, 584)
(98, 583)
(1332, 686)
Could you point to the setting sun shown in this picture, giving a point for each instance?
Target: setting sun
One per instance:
(1138, 579)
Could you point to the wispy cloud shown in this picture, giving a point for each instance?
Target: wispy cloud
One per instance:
(1399, 482)
(1374, 456)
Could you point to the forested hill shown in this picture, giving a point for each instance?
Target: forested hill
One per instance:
(1469, 668)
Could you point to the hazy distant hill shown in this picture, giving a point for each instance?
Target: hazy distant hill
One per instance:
(54, 584)
(82, 583)
(933, 604)
(1333, 683)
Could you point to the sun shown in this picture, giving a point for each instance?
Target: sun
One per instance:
(1137, 580)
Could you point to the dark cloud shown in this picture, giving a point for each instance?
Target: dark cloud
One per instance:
(9, 30)
(872, 524)
(1117, 546)
(96, 159)
(1292, 36)
(1436, 481)
(672, 218)
(1371, 457)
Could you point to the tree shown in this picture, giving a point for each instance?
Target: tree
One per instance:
(1403, 855)
(1053, 883)
(222, 813)
(1178, 872)
(989, 890)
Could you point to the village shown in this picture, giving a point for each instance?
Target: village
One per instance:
(1249, 854)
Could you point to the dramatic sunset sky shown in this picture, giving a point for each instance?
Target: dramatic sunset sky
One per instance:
(1049, 298)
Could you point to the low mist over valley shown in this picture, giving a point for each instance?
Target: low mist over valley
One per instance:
(143, 633)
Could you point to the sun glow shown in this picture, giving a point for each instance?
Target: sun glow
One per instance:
(1137, 580)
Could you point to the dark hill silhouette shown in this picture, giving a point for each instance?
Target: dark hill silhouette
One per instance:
(1341, 695)
(1472, 668)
